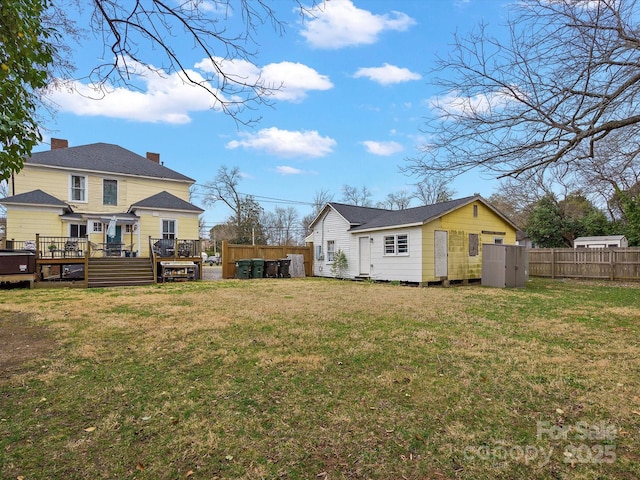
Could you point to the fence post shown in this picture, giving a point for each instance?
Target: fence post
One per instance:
(612, 265)
(553, 263)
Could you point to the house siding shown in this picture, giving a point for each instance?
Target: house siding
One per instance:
(332, 226)
(403, 268)
(459, 224)
(34, 220)
(56, 182)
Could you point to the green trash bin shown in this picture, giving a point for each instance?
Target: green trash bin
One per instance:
(257, 268)
(243, 269)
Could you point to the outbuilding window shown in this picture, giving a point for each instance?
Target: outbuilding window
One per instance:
(331, 250)
(396, 244)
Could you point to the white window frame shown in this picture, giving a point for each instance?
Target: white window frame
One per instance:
(331, 251)
(402, 246)
(173, 234)
(498, 240)
(117, 188)
(96, 227)
(389, 244)
(84, 188)
(396, 245)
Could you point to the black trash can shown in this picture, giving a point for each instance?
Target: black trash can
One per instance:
(271, 268)
(243, 269)
(283, 267)
(257, 267)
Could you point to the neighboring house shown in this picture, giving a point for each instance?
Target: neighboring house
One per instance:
(433, 243)
(605, 241)
(523, 240)
(103, 192)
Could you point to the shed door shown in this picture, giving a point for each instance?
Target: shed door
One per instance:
(441, 253)
(365, 256)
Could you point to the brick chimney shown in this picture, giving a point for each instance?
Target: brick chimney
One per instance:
(154, 157)
(57, 143)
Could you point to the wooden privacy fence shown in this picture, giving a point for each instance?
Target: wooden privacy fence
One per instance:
(603, 263)
(232, 253)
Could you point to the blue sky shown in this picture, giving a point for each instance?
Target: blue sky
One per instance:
(355, 95)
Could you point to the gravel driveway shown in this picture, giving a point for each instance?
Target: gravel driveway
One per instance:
(212, 273)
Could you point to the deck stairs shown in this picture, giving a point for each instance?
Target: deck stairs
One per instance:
(119, 271)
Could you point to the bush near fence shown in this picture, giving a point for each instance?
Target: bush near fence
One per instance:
(587, 263)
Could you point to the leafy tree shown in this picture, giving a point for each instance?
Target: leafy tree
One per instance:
(565, 79)
(25, 54)
(545, 225)
(630, 205)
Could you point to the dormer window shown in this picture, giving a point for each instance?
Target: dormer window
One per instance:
(78, 188)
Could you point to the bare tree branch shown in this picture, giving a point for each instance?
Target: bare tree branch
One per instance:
(566, 78)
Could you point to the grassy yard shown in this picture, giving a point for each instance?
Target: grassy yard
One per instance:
(321, 379)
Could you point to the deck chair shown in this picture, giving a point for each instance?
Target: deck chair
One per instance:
(95, 248)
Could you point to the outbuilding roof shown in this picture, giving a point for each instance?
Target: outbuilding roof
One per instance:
(104, 157)
(413, 216)
(366, 218)
(602, 238)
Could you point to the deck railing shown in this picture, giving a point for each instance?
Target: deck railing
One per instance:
(174, 248)
(58, 247)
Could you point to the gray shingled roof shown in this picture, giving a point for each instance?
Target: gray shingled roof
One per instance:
(104, 157)
(34, 197)
(357, 215)
(166, 201)
(411, 216)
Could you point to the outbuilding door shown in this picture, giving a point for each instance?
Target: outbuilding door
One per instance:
(364, 245)
(441, 252)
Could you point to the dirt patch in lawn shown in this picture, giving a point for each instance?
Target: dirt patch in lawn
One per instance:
(21, 342)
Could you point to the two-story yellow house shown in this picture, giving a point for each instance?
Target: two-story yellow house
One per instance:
(109, 199)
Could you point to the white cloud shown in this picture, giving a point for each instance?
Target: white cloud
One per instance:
(168, 98)
(291, 80)
(287, 170)
(286, 143)
(387, 74)
(339, 23)
(296, 80)
(161, 99)
(453, 105)
(382, 148)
